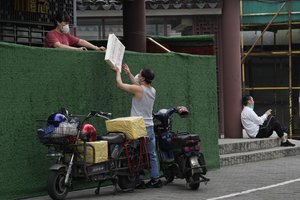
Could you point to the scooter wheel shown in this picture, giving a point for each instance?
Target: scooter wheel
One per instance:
(56, 184)
(193, 182)
(127, 182)
(168, 173)
(169, 179)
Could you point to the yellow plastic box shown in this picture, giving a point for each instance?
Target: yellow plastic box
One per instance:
(132, 127)
(101, 151)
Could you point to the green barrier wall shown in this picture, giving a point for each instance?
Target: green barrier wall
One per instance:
(34, 82)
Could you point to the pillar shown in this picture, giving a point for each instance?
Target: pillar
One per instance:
(232, 90)
(134, 25)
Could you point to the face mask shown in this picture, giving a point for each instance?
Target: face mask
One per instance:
(65, 28)
(252, 106)
(136, 78)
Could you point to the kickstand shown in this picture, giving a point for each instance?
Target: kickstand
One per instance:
(204, 179)
(115, 184)
(97, 191)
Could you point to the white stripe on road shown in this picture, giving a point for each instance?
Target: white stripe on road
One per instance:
(254, 190)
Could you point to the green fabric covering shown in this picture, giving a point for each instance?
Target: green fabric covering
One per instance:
(34, 82)
(252, 7)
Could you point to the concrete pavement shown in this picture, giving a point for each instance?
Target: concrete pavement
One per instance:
(272, 179)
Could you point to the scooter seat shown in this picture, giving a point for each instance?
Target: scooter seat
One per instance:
(187, 137)
(112, 138)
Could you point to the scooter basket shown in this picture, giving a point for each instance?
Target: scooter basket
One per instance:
(65, 133)
(59, 141)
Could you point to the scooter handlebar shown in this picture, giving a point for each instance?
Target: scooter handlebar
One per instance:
(97, 113)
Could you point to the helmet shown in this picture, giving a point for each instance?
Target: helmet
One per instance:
(55, 119)
(182, 111)
(88, 133)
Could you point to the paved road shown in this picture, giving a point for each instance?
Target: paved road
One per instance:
(274, 179)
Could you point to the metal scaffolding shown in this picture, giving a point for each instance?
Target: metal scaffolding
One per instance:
(249, 54)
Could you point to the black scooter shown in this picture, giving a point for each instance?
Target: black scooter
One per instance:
(179, 152)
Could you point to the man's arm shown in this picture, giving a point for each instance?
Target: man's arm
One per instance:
(136, 90)
(84, 43)
(259, 120)
(63, 46)
(129, 74)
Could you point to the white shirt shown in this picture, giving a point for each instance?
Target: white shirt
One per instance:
(251, 121)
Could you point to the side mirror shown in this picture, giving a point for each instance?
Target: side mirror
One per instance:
(64, 111)
(182, 111)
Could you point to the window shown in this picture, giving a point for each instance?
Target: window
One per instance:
(177, 26)
(155, 26)
(89, 32)
(169, 26)
(113, 26)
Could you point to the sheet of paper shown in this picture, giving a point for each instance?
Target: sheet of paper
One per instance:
(114, 52)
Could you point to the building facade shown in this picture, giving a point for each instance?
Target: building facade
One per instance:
(97, 18)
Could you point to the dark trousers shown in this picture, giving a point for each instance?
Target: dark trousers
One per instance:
(270, 125)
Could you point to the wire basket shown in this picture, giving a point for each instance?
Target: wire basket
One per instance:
(65, 133)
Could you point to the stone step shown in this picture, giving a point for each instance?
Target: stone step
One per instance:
(259, 155)
(230, 146)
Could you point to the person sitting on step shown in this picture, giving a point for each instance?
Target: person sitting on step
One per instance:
(263, 126)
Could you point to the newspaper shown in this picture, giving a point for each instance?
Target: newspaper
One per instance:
(114, 52)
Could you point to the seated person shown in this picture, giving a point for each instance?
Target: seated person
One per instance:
(60, 37)
(263, 126)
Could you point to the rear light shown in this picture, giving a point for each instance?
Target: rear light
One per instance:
(186, 149)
